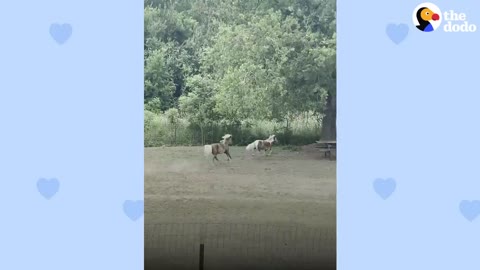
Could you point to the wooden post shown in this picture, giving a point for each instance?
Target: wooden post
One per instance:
(200, 266)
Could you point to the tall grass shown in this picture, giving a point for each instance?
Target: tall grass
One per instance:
(158, 131)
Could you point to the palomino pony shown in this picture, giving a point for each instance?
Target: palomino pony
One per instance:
(219, 148)
(262, 145)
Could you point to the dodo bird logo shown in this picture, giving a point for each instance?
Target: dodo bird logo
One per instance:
(426, 17)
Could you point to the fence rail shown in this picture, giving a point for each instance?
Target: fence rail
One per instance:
(242, 246)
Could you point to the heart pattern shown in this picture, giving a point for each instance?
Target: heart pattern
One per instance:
(60, 32)
(48, 187)
(470, 209)
(397, 32)
(384, 187)
(133, 209)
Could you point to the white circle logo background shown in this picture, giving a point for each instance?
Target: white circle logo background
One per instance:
(434, 8)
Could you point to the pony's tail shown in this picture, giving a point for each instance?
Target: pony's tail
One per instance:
(207, 151)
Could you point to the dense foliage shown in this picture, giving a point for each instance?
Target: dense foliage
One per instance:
(249, 68)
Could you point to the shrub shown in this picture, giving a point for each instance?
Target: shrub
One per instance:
(160, 130)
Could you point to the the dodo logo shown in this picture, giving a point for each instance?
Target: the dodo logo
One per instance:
(427, 17)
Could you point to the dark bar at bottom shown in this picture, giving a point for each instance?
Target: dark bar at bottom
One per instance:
(200, 265)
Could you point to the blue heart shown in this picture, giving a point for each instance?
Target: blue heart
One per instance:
(60, 32)
(384, 187)
(48, 187)
(133, 209)
(397, 33)
(470, 209)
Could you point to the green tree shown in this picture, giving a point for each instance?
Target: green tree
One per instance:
(232, 62)
(154, 105)
(158, 79)
(198, 105)
(173, 117)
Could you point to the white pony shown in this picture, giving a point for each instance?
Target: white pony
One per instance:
(260, 145)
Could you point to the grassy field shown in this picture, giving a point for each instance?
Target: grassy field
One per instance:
(292, 187)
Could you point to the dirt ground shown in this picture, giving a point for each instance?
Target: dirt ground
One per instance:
(262, 212)
(289, 187)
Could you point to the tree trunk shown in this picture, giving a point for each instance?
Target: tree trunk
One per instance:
(287, 132)
(329, 123)
(175, 136)
(214, 132)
